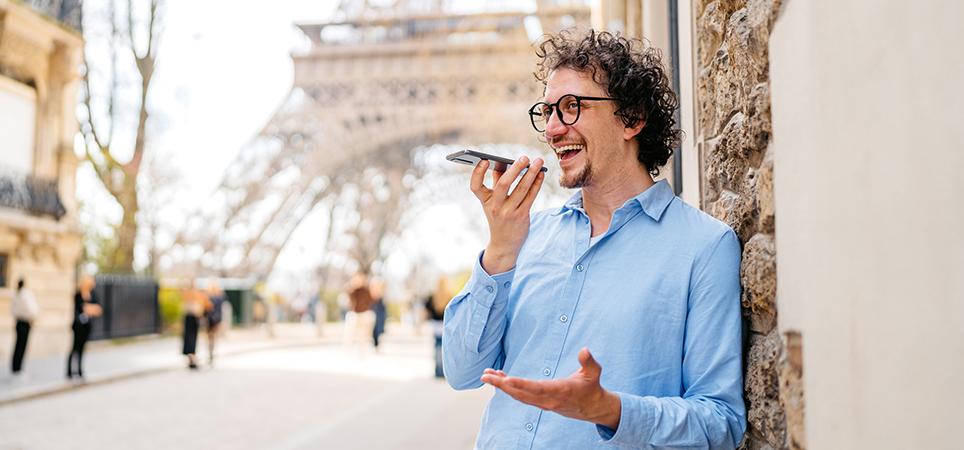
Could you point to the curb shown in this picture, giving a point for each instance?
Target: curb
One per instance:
(66, 386)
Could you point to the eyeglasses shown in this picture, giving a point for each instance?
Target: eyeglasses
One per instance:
(567, 109)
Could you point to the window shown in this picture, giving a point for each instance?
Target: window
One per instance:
(3, 270)
(18, 103)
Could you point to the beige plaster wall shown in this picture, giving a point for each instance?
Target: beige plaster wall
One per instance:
(867, 105)
(43, 250)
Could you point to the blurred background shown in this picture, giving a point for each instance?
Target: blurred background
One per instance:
(277, 169)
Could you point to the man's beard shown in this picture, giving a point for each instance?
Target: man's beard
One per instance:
(578, 180)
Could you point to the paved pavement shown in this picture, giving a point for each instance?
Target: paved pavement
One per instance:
(106, 361)
(296, 391)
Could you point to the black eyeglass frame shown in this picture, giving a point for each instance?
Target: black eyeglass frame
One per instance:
(554, 107)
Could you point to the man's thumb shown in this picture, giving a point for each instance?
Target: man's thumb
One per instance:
(589, 363)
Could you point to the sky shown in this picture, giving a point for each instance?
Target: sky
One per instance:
(223, 67)
(222, 70)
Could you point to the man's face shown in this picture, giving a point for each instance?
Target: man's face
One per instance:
(588, 150)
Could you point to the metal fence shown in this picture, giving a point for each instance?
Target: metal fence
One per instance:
(130, 307)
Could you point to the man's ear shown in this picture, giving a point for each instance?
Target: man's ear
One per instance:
(631, 132)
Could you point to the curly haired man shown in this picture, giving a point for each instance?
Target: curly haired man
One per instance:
(614, 320)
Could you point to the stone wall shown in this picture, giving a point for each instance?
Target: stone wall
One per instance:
(733, 132)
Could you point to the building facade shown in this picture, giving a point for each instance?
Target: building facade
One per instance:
(826, 135)
(40, 54)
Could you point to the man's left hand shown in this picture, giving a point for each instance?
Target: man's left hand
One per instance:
(579, 396)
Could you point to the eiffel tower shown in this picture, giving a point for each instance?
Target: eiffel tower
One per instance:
(379, 80)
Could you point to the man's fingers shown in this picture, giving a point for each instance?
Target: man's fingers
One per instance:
(521, 191)
(520, 389)
(494, 372)
(536, 388)
(478, 177)
(533, 191)
(496, 175)
(504, 181)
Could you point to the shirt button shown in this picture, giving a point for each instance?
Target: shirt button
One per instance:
(528, 427)
(489, 289)
(507, 284)
(563, 318)
(579, 267)
(546, 371)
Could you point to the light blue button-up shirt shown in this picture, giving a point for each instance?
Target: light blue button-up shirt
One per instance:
(656, 300)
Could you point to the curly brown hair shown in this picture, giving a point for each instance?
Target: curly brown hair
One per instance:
(633, 73)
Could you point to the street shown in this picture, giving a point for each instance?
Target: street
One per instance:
(307, 397)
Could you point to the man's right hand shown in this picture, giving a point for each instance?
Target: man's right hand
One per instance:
(507, 213)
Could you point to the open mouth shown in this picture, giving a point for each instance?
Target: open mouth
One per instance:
(567, 152)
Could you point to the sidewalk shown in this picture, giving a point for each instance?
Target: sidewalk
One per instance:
(106, 361)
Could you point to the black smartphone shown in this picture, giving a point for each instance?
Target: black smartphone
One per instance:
(472, 158)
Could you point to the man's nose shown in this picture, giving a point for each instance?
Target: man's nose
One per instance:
(554, 126)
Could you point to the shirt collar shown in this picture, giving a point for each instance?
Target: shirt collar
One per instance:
(653, 201)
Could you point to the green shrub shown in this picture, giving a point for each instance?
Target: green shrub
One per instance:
(170, 304)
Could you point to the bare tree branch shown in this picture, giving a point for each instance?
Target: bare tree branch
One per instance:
(120, 179)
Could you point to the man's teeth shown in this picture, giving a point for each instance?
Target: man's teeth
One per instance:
(566, 148)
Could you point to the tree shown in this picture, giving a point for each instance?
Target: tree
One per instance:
(131, 37)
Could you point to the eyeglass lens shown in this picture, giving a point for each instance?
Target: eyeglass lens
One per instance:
(566, 109)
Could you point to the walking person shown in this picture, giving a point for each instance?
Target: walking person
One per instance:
(360, 319)
(213, 317)
(24, 310)
(435, 316)
(86, 308)
(381, 312)
(435, 306)
(195, 305)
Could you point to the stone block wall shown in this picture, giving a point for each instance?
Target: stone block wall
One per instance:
(733, 133)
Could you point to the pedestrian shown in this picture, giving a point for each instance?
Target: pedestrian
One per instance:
(613, 320)
(360, 319)
(195, 305)
(435, 304)
(213, 316)
(86, 308)
(24, 310)
(319, 312)
(378, 307)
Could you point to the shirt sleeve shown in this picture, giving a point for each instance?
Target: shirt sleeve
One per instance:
(474, 324)
(710, 413)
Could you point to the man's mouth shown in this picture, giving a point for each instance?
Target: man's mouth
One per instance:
(566, 152)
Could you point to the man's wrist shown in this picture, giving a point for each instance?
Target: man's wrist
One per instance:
(612, 410)
(495, 261)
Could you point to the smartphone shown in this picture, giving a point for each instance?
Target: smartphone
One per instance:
(472, 158)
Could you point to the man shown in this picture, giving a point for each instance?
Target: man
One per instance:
(613, 321)
(24, 309)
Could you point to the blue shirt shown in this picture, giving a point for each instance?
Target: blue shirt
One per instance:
(656, 300)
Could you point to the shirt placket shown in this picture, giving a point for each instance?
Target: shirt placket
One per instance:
(561, 316)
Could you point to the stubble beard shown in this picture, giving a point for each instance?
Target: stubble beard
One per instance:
(578, 180)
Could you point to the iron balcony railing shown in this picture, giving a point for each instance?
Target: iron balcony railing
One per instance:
(30, 194)
(66, 12)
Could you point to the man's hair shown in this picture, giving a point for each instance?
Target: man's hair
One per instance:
(20, 284)
(631, 72)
